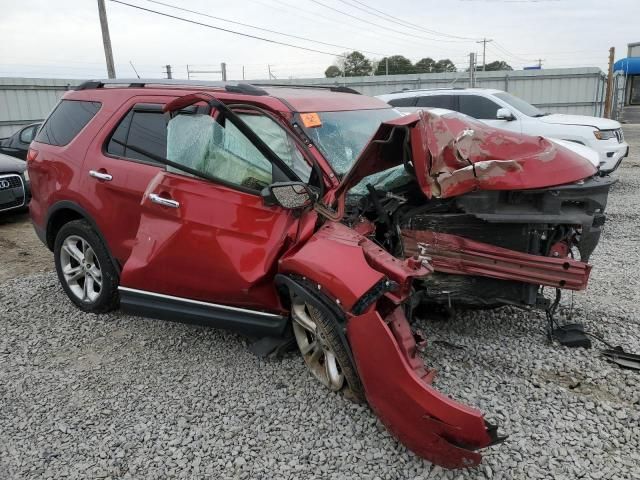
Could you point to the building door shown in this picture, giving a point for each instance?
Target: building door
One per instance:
(634, 97)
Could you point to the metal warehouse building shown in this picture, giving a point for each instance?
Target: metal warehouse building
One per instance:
(28, 100)
(567, 90)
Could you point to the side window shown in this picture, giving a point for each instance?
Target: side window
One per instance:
(403, 102)
(478, 107)
(146, 130)
(436, 101)
(280, 142)
(66, 121)
(216, 151)
(26, 135)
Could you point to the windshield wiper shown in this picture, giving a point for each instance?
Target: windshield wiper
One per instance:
(542, 114)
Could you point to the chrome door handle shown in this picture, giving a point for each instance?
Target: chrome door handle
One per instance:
(165, 202)
(100, 176)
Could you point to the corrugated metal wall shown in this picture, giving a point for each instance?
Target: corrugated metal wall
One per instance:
(569, 90)
(28, 100)
(566, 90)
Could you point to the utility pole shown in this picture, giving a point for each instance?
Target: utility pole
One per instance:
(168, 71)
(386, 70)
(472, 70)
(223, 71)
(484, 42)
(271, 75)
(242, 72)
(608, 97)
(106, 39)
(540, 60)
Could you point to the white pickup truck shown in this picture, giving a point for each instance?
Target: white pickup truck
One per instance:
(503, 110)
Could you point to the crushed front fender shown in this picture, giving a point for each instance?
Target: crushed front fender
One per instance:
(397, 387)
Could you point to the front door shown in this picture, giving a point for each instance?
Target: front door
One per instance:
(209, 244)
(486, 110)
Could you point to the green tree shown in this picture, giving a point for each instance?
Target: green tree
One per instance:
(332, 72)
(444, 65)
(425, 65)
(496, 66)
(398, 65)
(357, 65)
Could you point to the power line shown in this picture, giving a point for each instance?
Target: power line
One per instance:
(399, 21)
(331, 22)
(504, 51)
(255, 37)
(342, 12)
(258, 28)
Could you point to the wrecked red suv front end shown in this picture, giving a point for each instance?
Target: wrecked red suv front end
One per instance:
(500, 214)
(488, 215)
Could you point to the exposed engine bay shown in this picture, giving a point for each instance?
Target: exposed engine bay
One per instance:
(561, 224)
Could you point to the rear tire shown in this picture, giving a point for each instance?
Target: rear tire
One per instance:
(85, 269)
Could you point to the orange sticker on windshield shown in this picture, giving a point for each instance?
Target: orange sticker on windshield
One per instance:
(311, 120)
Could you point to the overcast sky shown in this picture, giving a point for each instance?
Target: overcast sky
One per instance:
(62, 38)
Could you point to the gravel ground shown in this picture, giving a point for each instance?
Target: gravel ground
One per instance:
(115, 396)
(22, 251)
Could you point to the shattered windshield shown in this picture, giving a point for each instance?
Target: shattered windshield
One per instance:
(343, 135)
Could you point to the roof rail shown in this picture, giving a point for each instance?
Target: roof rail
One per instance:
(434, 89)
(332, 88)
(235, 87)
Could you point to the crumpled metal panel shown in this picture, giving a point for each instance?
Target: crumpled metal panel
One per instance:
(458, 255)
(454, 154)
(397, 387)
(347, 266)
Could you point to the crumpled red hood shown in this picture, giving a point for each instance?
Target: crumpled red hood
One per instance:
(454, 154)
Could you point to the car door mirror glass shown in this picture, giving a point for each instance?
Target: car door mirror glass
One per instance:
(289, 195)
(26, 136)
(505, 114)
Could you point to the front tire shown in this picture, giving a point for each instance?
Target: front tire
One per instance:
(324, 349)
(85, 269)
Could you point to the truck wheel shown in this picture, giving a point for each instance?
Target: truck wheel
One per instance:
(85, 269)
(323, 349)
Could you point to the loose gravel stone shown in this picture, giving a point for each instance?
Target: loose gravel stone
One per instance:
(121, 397)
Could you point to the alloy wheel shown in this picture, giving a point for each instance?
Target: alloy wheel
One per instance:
(317, 354)
(81, 269)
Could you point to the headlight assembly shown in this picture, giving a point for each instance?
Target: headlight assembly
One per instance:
(605, 134)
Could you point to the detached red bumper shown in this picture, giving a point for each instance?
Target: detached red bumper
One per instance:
(397, 386)
(458, 255)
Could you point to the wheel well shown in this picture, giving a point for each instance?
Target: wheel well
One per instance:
(57, 220)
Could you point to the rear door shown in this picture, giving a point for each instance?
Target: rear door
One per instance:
(115, 177)
(207, 247)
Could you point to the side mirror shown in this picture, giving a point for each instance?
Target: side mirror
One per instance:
(289, 195)
(505, 114)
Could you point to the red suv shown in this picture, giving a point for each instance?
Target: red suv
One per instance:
(306, 214)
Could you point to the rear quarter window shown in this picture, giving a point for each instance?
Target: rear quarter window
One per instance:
(403, 102)
(437, 101)
(66, 121)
